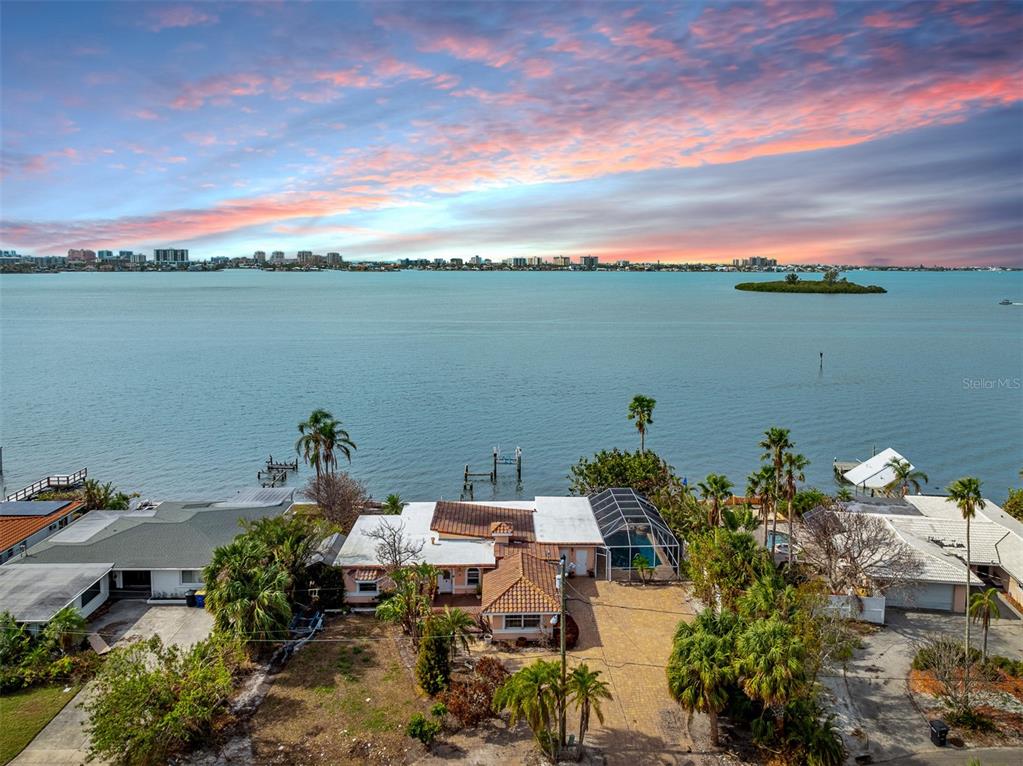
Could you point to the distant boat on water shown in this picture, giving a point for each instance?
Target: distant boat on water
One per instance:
(1005, 302)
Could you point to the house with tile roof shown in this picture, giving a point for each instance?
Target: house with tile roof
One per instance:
(23, 523)
(497, 560)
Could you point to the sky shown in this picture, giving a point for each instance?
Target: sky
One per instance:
(867, 132)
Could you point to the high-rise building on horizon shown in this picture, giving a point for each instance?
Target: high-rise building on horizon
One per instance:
(170, 256)
(562, 260)
(277, 256)
(81, 256)
(589, 261)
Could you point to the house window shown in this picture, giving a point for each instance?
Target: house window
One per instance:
(366, 587)
(526, 621)
(191, 576)
(93, 590)
(472, 576)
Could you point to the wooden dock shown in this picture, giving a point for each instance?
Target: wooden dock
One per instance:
(68, 481)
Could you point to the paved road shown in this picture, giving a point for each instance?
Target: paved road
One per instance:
(63, 742)
(988, 756)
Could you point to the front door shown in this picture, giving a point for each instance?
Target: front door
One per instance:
(445, 584)
(582, 561)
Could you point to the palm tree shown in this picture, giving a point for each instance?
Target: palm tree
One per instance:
(393, 504)
(794, 465)
(774, 444)
(247, 591)
(457, 626)
(405, 605)
(965, 493)
(534, 694)
(641, 409)
(771, 661)
(984, 607)
(844, 494)
(715, 488)
(701, 669)
(586, 691)
(322, 436)
(905, 477)
(763, 484)
(65, 630)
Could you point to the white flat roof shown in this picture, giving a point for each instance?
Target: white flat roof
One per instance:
(360, 550)
(873, 473)
(567, 520)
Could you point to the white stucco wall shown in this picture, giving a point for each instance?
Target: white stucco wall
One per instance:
(97, 601)
(168, 582)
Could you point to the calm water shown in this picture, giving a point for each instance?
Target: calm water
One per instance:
(179, 385)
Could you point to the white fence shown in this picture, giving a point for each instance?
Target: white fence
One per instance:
(866, 608)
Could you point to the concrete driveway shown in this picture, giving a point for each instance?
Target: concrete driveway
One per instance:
(875, 709)
(64, 742)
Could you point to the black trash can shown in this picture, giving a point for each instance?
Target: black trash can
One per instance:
(190, 598)
(939, 733)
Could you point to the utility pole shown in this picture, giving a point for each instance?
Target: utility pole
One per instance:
(564, 668)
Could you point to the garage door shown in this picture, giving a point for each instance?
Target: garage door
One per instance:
(923, 596)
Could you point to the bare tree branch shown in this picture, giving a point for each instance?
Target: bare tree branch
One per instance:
(856, 550)
(394, 550)
(341, 498)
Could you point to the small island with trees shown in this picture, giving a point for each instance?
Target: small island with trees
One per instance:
(830, 284)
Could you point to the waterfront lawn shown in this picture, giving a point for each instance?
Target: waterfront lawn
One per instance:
(24, 713)
(341, 702)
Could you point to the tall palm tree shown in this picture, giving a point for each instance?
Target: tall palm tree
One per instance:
(764, 484)
(534, 694)
(587, 691)
(701, 669)
(393, 504)
(984, 607)
(775, 442)
(641, 409)
(794, 465)
(321, 437)
(715, 488)
(965, 493)
(905, 476)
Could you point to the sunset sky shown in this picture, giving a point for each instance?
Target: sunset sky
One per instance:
(867, 132)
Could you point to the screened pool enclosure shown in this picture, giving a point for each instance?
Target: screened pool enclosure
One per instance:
(631, 526)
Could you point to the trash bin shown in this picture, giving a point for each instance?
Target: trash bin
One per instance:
(200, 598)
(190, 598)
(939, 733)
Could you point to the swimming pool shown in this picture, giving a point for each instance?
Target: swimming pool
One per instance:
(779, 541)
(625, 545)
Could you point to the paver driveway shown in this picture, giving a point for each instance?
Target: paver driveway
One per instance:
(625, 631)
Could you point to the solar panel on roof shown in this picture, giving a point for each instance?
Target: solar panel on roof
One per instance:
(31, 507)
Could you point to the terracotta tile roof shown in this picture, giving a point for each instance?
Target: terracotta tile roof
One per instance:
(543, 551)
(14, 529)
(501, 528)
(471, 520)
(368, 574)
(522, 583)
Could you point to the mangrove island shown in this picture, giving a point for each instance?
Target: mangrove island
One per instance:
(793, 284)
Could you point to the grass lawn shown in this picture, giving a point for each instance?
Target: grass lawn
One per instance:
(341, 703)
(24, 713)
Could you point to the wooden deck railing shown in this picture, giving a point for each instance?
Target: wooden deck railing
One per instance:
(50, 482)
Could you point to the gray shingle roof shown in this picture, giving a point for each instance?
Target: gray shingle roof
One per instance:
(176, 535)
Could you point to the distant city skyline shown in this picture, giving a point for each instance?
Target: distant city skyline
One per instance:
(852, 133)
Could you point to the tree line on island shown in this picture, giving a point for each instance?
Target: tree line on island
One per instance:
(831, 284)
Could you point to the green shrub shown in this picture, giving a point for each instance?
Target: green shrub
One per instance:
(433, 665)
(439, 710)
(970, 719)
(1008, 666)
(152, 701)
(422, 728)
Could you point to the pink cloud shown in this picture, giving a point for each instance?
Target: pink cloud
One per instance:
(177, 17)
(885, 20)
(145, 114)
(218, 90)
